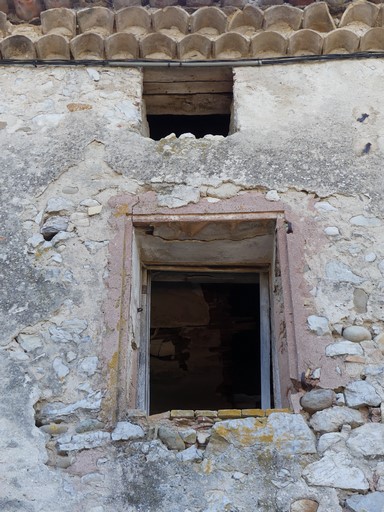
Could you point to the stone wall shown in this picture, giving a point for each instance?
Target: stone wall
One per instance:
(71, 142)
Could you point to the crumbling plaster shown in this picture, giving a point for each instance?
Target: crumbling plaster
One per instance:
(299, 134)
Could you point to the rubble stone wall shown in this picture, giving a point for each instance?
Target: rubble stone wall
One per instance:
(310, 137)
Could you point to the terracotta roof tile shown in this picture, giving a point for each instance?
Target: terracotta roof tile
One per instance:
(174, 32)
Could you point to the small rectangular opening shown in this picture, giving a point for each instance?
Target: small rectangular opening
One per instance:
(206, 341)
(192, 100)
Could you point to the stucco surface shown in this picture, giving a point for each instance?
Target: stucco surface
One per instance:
(301, 135)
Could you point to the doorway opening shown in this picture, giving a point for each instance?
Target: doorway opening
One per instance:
(207, 341)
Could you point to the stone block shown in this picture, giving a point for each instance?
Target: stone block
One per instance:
(245, 413)
(126, 431)
(367, 440)
(360, 393)
(372, 502)
(356, 333)
(206, 412)
(229, 413)
(181, 413)
(171, 438)
(317, 400)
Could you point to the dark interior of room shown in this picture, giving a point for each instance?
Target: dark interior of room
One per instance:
(205, 345)
(162, 125)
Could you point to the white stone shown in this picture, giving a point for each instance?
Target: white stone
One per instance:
(224, 191)
(272, 195)
(361, 220)
(59, 204)
(35, 240)
(367, 440)
(381, 266)
(341, 348)
(181, 195)
(187, 136)
(333, 440)
(75, 325)
(88, 202)
(336, 470)
(340, 272)
(88, 365)
(70, 356)
(29, 342)
(80, 219)
(318, 324)
(83, 441)
(203, 437)
(62, 236)
(316, 374)
(59, 409)
(188, 435)
(60, 368)
(360, 393)
(340, 399)
(325, 206)
(356, 333)
(126, 431)
(289, 431)
(371, 502)
(191, 454)
(94, 210)
(94, 74)
(128, 109)
(370, 257)
(332, 419)
(57, 258)
(332, 231)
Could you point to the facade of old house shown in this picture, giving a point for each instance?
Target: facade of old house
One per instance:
(192, 256)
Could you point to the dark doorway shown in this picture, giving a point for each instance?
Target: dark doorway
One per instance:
(162, 125)
(205, 341)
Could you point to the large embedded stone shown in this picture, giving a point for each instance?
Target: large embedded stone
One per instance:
(287, 431)
(356, 333)
(332, 419)
(340, 272)
(372, 502)
(367, 440)
(332, 440)
(359, 393)
(171, 438)
(83, 441)
(54, 225)
(319, 325)
(341, 348)
(126, 431)
(336, 470)
(317, 400)
(59, 204)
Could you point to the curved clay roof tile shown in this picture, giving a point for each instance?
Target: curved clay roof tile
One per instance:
(360, 12)
(136, 20)
(89, 46)
(282, 15)
(60, 21)
(158, 46)
(269, 44)
(317, 17)
(341, 40)
(305, 42)
(373, 40)
(231, 46)
(195, 47)
(250, 18)
(208, 21)
(17, 47)
(99, 20)
(171, 17)
(121, 46)
(52, 47)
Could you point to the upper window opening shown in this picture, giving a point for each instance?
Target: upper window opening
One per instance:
(192, 100)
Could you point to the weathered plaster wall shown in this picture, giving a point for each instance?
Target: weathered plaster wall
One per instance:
(70, 141)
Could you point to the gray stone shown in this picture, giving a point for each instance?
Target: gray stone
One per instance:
(372, 502)
(88, 425)
(367, 440)
(60, 368)
(59, 335)
(35, 240)
(319, 325)
(332, 231)
(188, 435)
(368, 222)
(75, 325)
(126, 431)
(57, 409)
(83, 441)
(88, 365)
(54, 225)
(340, 272)
(356, 333)
(336, 470)
(360, 393)
(94, 74)
(341, 348)
(181, 195)
(360, 300)
(317, 400)
(29, 342)
(332, 419)
(324, 206)
(171, 438)
(191, 454)
(59, 204)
